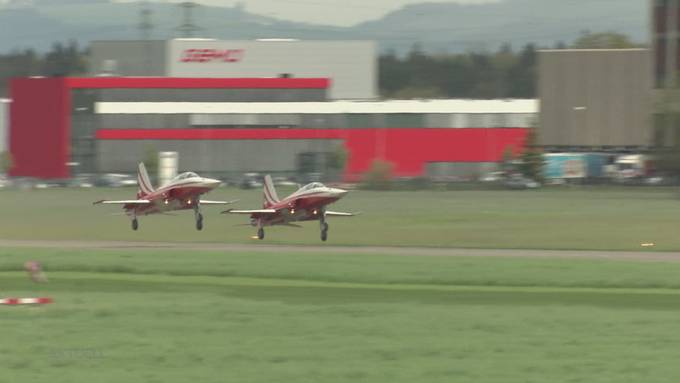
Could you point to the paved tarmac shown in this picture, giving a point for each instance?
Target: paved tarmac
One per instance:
(368, 250)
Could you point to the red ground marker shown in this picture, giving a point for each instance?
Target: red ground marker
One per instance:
(25, 301)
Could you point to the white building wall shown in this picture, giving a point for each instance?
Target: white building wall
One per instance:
(351, 65)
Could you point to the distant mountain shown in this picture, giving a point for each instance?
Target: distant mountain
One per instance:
(455, 27)
(437, 26)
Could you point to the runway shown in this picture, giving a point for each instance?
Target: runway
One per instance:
(330, 249)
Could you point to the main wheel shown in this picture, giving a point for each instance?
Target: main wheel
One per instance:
(199, 222)
(260, 233)
(135, 224)
(324, 235)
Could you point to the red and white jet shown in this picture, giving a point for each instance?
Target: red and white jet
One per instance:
(307, 204)
(181, 193)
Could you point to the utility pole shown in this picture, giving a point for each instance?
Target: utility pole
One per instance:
(671, 66)
(188, 28)
(145, 28)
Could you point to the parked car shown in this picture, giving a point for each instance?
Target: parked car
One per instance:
(520, 182)
(492, 177)
(115, 180)
(82, 181)
(251, 181)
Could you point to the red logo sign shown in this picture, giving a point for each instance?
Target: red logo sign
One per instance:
(211, 55)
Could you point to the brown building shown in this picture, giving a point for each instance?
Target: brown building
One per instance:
(595, 99)
(665, 28)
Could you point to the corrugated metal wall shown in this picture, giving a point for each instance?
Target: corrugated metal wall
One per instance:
(215, 157)
(595, 98)
(211, 95)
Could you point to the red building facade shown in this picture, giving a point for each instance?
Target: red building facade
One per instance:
(47, 113)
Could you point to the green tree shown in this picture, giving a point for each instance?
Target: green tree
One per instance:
(532, 158)
(338, 159)
(6, 161)
(603, 40)
(425, 92)
(508, 164)
(481, 75)
(379, 177)
(64, 60)
(61, 60)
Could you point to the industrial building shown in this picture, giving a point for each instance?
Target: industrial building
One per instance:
(665, 46)
(352, 65)
(232, 107)
(665, 29)
(595, 99)
(55, 127)
(95, 125)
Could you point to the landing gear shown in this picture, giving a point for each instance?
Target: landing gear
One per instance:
(260, 233)
(199, 222)
(135, 224)
(324, 230)
(199, 217)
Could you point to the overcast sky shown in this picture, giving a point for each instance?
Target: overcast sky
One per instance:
(329, 12)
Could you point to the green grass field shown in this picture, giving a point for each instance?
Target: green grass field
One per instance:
(155, 316)
(580, 218)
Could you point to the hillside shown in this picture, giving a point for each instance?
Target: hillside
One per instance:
(439, 26)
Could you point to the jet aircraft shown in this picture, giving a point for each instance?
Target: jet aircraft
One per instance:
(308, 203)
(181, 193)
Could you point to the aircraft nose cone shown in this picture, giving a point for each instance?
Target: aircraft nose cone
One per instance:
(211, 183)
(340, 192)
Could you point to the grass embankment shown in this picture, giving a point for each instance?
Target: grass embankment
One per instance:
(211, 317)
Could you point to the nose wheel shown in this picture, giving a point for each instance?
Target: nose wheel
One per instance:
(135, 224)
(260, 233)
(324, 231)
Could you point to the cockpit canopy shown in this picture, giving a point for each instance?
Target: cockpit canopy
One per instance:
(313, 185)
(184, 176)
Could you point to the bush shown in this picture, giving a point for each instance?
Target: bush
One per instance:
(379, 177)
(5, 162)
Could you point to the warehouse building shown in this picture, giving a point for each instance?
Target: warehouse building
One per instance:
(595, 99)
(665, 41)
(351, 65)
(665, 32)
(225, 127)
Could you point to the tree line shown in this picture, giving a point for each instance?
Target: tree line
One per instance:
(505, 73)
(63, 59)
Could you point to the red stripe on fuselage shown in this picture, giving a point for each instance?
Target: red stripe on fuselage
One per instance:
(177, 199)
(304, 207)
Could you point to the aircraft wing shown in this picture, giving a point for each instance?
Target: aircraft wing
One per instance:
(206, 202)
(339, 214)
(256, 211)
(124, 202)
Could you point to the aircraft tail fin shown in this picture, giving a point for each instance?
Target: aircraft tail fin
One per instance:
(270, 196)
(143, 181)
